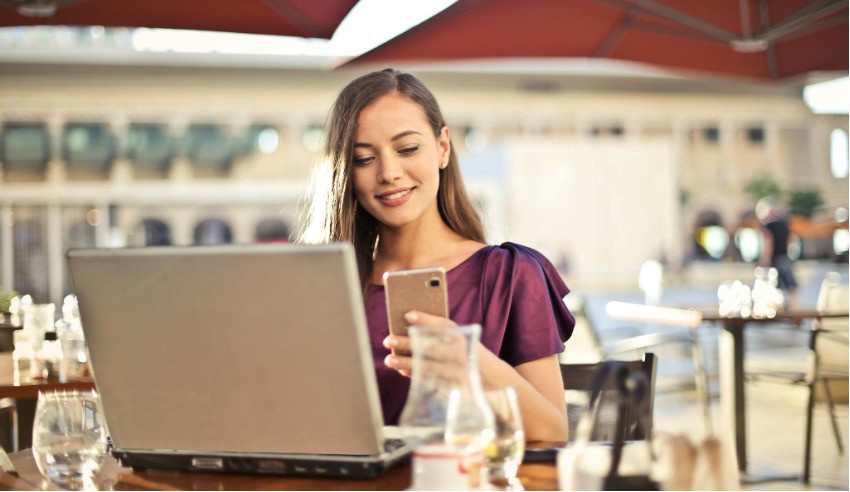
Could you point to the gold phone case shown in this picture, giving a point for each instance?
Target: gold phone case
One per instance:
(414, 290)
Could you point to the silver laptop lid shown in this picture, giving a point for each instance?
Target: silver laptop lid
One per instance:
(255, 349)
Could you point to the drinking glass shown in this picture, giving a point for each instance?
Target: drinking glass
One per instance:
(69, 437)
(505, 453)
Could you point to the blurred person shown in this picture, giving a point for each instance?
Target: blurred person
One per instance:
(397, 195)
(776, 234)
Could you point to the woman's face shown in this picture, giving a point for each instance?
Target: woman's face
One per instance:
(396, 162)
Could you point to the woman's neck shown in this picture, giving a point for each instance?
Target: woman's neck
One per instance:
(418, 245)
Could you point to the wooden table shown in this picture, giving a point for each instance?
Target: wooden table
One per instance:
(9, 388)
(536, 476)
(26, 393)
(731, 367)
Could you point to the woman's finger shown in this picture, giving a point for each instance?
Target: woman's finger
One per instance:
(424, 319)
(399, 362)
(398, 343)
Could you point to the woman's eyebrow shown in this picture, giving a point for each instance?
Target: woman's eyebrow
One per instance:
(404, 134)
(394, 138)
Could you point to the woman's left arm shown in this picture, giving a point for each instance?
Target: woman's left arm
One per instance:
(539, 389)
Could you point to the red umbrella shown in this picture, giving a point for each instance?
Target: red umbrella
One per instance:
(762, 39)
(305, 18)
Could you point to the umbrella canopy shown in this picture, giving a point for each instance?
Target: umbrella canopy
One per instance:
(305, 18)
(762, 39)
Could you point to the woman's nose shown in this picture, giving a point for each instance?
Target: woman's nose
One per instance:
(390, 170)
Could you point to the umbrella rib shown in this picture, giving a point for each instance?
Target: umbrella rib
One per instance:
(770, 51)
(814, 27)
(745, 18)
(805, 16)
(684, 19)
(678, 32)
(294, 16)
(682, 31)
(610, 41)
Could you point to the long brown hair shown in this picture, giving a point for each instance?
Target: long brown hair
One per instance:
(338, 214)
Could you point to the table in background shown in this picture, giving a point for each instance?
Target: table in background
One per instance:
(535, 476)
(731, 366)
(26, 393)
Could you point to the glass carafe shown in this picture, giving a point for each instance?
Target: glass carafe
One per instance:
(446, 402)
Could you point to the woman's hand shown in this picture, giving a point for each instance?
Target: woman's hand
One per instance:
(401, 344)
(538, 383)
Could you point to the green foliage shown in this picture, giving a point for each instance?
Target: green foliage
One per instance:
(762, 187)
(805, 202)
(6, 299)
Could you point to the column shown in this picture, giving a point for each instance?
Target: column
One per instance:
(7, 222)
(182, 222)
(55, 259)
(237, 130)
(122, 169)
(1, 162)
(771, 148)
(102, 228)
(680, 135)
(728, 172)
(181, 168)
(297, 163)
(57, 168)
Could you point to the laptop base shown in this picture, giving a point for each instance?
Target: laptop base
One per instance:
(293, 465)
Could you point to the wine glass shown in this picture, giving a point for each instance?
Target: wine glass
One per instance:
(69, 437)
(505, 453)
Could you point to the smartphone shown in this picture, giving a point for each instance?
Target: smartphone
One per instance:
(414, 290)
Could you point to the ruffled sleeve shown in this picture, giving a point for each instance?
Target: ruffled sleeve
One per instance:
(525, 317)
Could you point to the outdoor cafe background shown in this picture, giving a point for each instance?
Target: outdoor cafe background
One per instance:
(115, 137)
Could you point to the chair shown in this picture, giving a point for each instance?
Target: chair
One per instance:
(828, 358)
(9, 431)
(688, 319)
(578, 377)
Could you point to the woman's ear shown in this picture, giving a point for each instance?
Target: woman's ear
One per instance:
(445, 143)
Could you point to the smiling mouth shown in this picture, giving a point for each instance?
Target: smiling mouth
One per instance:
(395, 195)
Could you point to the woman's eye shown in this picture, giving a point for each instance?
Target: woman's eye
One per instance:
(409, 150)
(362, 161)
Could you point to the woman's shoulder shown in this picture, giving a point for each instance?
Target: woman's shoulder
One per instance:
(517, 257)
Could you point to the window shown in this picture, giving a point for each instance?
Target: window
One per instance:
(210, 148)
(24, 147)
(151, 232)
(212, 231)
(88, 148)
(29, 238)
(838, 153)
(749, 243)
(150, 148)
(312, 137)
(262, 138)
(272, 231)
(79, 224)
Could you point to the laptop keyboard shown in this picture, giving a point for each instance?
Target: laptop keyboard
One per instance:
(391, 445)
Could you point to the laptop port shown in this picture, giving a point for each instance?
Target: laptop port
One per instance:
(202, 463)
(271, 466)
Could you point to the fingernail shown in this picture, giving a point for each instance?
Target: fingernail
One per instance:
(390, 342)
(411, 317)
(391, 361)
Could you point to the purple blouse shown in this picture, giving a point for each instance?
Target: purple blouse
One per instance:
(512, 291)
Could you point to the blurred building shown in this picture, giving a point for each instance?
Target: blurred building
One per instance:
(600, 173)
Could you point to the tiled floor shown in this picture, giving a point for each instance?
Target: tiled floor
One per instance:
(775, 434)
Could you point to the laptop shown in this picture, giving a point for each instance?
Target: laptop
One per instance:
(249, 359)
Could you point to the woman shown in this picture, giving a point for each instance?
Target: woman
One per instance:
(397, 195)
